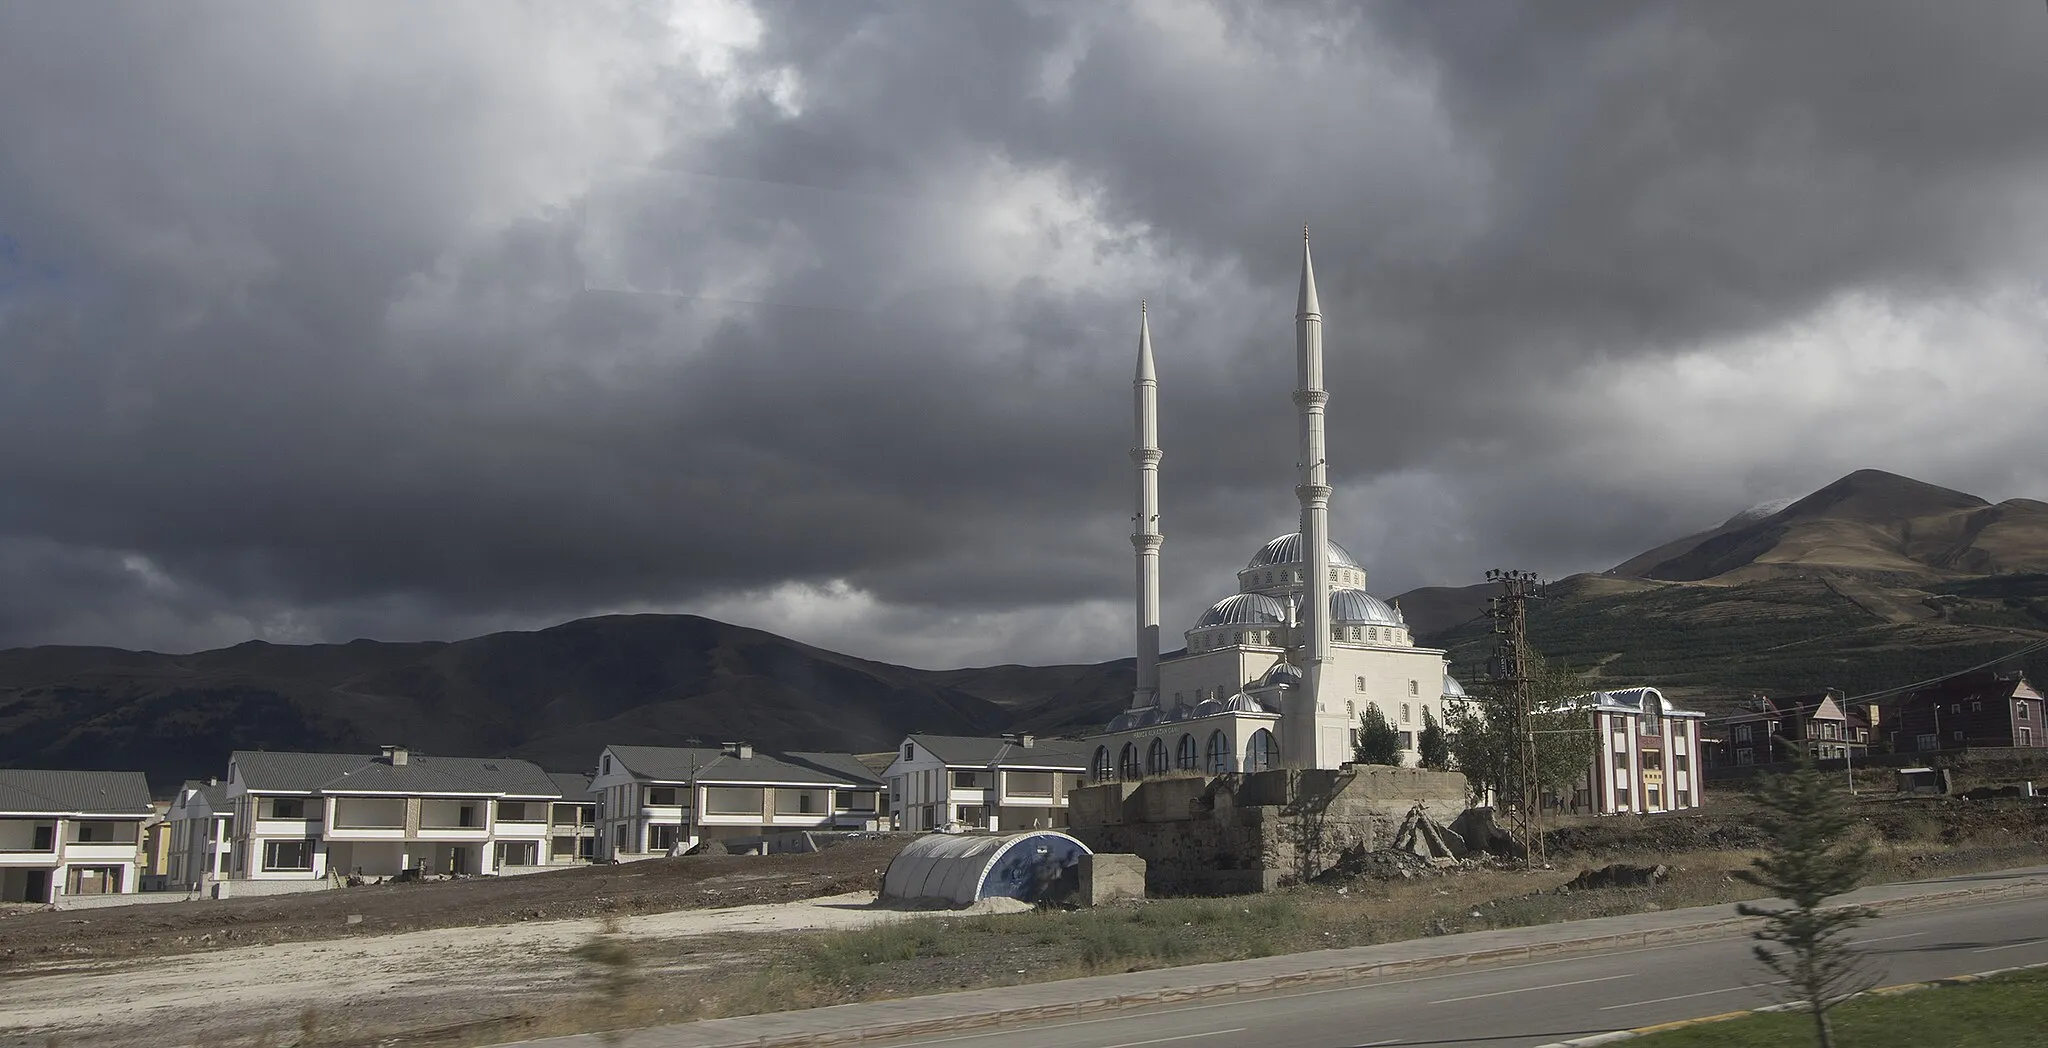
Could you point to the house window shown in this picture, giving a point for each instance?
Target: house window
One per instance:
(1681, 762)
(2023, 710)
(1959, 736)
(619, 838)
(607, 764)
(2026, 737)
(288, 808)
(519, 853)
(1219, 753)
(1186, 757)
(1405, 719)
(657, 796)
(661, 837)
(1745, 756)
(1929, 742)
(969, 780)
(1621, 797)
(1685, 798)
(1976, 706)
(288, 855)
(1361, 685)
(516, 811)
(910, 750)
(1351, 710)
(1742, 733)
(1956, 707)
(1407, 740)
(1414, 687)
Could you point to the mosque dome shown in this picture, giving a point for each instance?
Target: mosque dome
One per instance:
(1243, 609)
(1453, 689)
(1181, 711)
(1242, 703)
(1131, 719)
(1208, 707)
(1356, 607)
(1281, 673)
(1287, 549)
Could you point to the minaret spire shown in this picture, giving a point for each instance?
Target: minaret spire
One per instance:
(1300, 743)
(1145, 536)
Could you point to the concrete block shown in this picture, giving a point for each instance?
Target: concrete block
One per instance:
(1111, 877)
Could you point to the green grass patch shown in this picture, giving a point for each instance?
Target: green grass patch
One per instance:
(2009, 1011)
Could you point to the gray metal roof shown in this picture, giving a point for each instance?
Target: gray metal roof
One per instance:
(1287, 549)
(215, 794)
(1356, 607)
(575, 785)
(270, 771)
(712, 764)
(980, 752)
(1243, 609)
(26, 791)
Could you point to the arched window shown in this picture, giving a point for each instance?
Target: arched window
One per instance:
(1219, 753)
(1155, 758)
(1373, 634)
(1261, 754)
(1100, 769)
(1127, 763)
(1186, 758)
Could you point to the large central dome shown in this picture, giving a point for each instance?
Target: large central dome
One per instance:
(1287, 549)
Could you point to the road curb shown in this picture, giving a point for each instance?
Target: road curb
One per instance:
(709, 1036)
(1882, 991)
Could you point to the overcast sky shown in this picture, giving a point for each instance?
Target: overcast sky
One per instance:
(321, 321)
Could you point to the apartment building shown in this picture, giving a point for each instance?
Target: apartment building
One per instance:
(331, 816)
(1015, 782)
(662, 800)
(1648, 758)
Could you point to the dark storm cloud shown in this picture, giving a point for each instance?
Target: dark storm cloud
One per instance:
(338, 321)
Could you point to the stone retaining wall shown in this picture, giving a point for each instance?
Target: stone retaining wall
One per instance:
(1238, 833)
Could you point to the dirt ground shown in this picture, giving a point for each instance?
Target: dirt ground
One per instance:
(485, 961)
(654, 885)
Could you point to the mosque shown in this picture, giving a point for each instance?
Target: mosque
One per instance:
(1279, 673)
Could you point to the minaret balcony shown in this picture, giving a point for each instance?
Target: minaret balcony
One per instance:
(1306, 397)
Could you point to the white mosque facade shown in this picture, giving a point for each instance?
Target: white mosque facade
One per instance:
(1279, 673)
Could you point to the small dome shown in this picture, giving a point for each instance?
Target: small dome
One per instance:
(1244, 609)
(1287, 550)
(1356, 607)
(1208, 708)
(1281, 673)
(1242, 703)
(1452, 688)
(1130, 719)
(1181, 711)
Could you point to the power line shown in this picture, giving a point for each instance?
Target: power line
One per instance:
(2036, 646)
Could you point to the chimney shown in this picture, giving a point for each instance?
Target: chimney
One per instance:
(741, 750)
(1022, 741)
(396, 756)
(211, 781)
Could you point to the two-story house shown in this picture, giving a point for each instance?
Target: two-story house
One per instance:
(662, 800)
(1648, 759)
(202, 835)
(1016, 782)
(322, 816)
(1987, 708)
(1765, 730)
(66, 833)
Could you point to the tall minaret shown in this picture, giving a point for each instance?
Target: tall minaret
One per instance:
(1299, 744)
(1145, 538)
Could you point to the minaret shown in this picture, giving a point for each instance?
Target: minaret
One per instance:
(1145, 538)
(1299, 742)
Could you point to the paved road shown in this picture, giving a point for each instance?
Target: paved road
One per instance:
(1535, 1003)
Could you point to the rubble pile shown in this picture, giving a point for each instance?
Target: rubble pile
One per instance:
(1616, 875)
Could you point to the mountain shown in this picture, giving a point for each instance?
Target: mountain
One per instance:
(1873, 581)
(555, 696)
(1868, 523)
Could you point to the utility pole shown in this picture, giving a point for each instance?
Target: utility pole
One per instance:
(1510, 614)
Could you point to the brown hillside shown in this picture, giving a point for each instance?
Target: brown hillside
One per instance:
(1869, 522)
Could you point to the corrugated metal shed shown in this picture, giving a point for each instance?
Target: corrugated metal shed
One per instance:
(964, 869)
